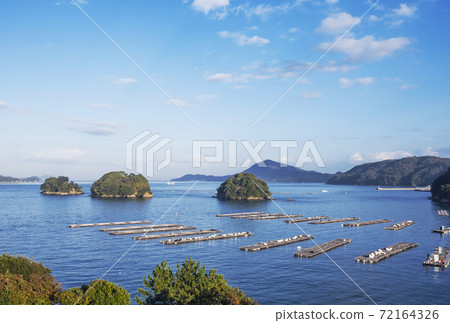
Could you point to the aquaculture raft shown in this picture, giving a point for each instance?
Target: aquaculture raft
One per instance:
(273, 217)
(250, 216)
(400, 225)
(442, 230)
(333, 221)
(382, 254)
(311, 218)
(439, 258)
(242, 213)
(322, 248)
(126, 232)
(276, 243)
(107, 224)
(174, 234)
(443, 213)
(207, 238)
(153, 226)
(360, 224)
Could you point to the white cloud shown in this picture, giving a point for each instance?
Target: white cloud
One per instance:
(125, 80)
(178, 102)
(429, 151)
(206, 6)
(337, 23)
(202, 97)
(374, 18)
(405, 10)
(101, 105)
(58, 155)
(97, 128)
(408, 87)
(243, 40)
(357, 157)
(332, 1)
(310, 95)
(293, 30)
(367, 48)
(220, 77)
(347, 83)
(6, 106)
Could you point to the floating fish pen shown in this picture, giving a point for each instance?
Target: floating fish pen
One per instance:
(207, 238)
(251, 216)
(128, 232)
(439, 258)
(442, 230)
(153, 226)
(400, 225)
(276, 243)
(321, 248)
(88, 225)
(382, 254)
(360, 224)
(242, 213)
(175, 234)
(333, 220)
(311, 218)
(443, 213)
(274, 217)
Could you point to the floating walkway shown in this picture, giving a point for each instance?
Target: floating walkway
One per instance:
(127, 232)
(88, 225)
(311, 218)
(443, 213)
(400, 225)
(277, 243)
(360, 224)
(243, 213)
(321, 248)
(175, 234)
(334, 220)
(153, 226)
(273, 217)
(442, 230)
(207, 238)
(439, 258)
(382, 254)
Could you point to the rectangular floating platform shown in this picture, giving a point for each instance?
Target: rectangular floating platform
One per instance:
(443, 213)
(400, 225)
(154, 226)
(274, 217)
(333, 221)
(251, 216)
(360, 224)
(207, 238)
(175, 234)
(311, 218)
(442, 230)
(242, 213)
(439, 258)
(276, 243)
(321, 248)
(88, 225)
(127, 232)
(382, 254)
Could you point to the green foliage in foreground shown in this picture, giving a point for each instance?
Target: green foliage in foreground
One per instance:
(440, 190)
(243, 186)
(189, 285)
(121, 184)
(26, 282)
(60, 185)
(98, 292)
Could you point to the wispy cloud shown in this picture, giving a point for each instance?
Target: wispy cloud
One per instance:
(347, 83)
(358, 158)
(310, 95)
(408, 87)
(243, 40)
(337, 23)
(125, 80)
(6, 106)
(179, 102)
(206, 6)
(220, 78)
(61, 155)
(96, 128)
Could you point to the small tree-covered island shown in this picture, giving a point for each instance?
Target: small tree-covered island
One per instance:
(440, 190)
(121, 185)
(60, 186)
(243, 186)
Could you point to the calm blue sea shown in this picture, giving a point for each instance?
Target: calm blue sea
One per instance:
(37, 226)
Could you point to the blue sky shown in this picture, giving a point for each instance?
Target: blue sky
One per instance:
(70, 99)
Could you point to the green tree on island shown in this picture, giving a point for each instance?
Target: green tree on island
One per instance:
(60, 186)
(121, 184)
(98, 292)
(440, 190)
(189, 285)
(243, 186)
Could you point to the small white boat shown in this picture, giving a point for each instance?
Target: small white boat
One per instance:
(170, 183)
(324, 191)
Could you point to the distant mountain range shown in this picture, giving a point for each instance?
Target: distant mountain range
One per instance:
(410, 171)
(9, 179)
(272, 172)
